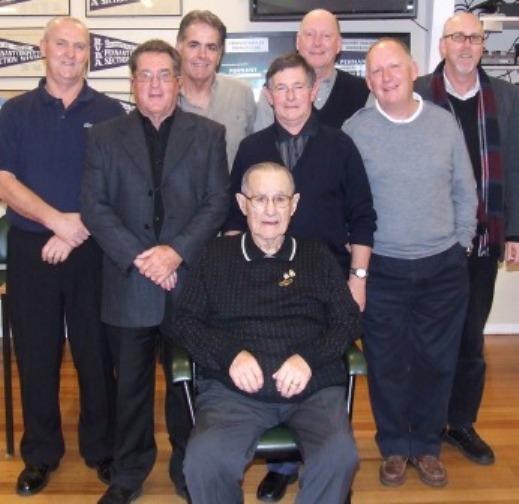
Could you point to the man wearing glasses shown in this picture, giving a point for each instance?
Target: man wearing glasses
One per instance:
(487, 110)
(336, 204)
(268, 341)
(155, 189)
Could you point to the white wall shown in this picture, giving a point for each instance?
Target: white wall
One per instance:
(425, 33)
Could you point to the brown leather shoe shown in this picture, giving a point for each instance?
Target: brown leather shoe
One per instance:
(430, 470)
(392, 470)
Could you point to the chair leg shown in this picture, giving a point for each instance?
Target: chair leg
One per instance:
(351, 396)
(8, 385)
(189, 400)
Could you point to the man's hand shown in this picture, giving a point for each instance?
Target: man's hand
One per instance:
(55, 250)
(293, 376)
(358, 290)
(246, 373)
(69, 228)
(512, 252)
(158, 264)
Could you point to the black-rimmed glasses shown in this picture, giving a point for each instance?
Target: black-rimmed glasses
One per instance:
(460, 38)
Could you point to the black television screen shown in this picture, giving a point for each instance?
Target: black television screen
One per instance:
(248, 55)
(283, 10)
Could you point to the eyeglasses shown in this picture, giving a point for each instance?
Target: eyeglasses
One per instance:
(260, 202)
(460, 38)
(148, 76)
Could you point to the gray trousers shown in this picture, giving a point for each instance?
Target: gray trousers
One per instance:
(227, 429)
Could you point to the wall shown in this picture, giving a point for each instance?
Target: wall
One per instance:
(235, 14)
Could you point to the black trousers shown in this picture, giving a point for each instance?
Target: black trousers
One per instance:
(46, 303)
(469, 381)
(412, 329)
(134, 352)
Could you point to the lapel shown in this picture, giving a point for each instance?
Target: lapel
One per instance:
(134, 143)
(181, 138)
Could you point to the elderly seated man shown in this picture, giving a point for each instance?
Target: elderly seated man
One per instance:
(267, 318)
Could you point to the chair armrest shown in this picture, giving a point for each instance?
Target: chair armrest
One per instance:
(355, 361)
(182, 366)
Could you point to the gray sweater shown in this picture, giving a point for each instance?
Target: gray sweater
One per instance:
(421, 179)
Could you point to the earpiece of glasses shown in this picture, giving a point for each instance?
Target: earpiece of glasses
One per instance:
(147, 76)
(261, 202)
(460, 38)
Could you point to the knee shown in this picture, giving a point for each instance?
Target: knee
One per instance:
(338, 454)
(204, 459)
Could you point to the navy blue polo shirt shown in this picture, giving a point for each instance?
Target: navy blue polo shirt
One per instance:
(43, 144)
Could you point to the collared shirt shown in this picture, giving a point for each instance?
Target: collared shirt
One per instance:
(469, 94)
(43, 144)
(232, 104)
(251, 252)
(325, 88)
(157, 142)
(290, 146)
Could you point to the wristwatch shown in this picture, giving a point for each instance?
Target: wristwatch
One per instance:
(359, 272)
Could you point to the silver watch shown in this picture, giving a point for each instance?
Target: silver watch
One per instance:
(359, 272)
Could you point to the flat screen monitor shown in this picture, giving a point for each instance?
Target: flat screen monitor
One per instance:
(249, 55)
(283, 10)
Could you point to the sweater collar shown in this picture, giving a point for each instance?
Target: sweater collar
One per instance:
(251, 252)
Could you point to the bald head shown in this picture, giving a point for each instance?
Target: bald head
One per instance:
(319, 41)
(462, 21)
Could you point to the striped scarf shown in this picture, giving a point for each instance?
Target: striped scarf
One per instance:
(490, 194)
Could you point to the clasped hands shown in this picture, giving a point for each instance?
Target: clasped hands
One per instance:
(159, 264)
(69, 233)
(291, 378)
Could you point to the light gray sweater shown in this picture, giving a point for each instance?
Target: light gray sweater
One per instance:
(421, 178)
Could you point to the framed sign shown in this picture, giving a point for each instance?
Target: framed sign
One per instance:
(111, 8)
(20, 54)
(34, 7)
(111, 49)
(352, 57)
(249, 55)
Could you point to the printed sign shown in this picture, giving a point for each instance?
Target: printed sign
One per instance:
(34, 7)
(111, 8)
(20, 52)
(111, 49)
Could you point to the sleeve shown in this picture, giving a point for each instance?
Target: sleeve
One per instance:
(343, 320)
(510, 145)
(264, 113)
(464, 194)
(117, 241)
(235, 219)
(191, 321)
(360, 213)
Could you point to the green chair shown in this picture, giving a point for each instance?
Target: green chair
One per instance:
(6, 340)
(278, 442)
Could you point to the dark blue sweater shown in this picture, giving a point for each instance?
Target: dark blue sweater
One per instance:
(336, 204)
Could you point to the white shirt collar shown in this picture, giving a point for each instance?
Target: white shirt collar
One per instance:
(469, 94)
(418, 111)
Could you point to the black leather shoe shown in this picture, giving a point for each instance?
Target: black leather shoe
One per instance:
(102, 468)
(119, 495)
(274, 486)
(470, 444)
(33, 478)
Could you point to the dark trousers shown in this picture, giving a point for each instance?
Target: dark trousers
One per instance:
(469, 381)
(229, 424)
(134, 352)
(46, 302)
(412, 329)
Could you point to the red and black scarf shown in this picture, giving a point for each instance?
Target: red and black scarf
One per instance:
(490, 194)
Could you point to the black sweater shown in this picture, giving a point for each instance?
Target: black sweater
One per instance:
(235, 299)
